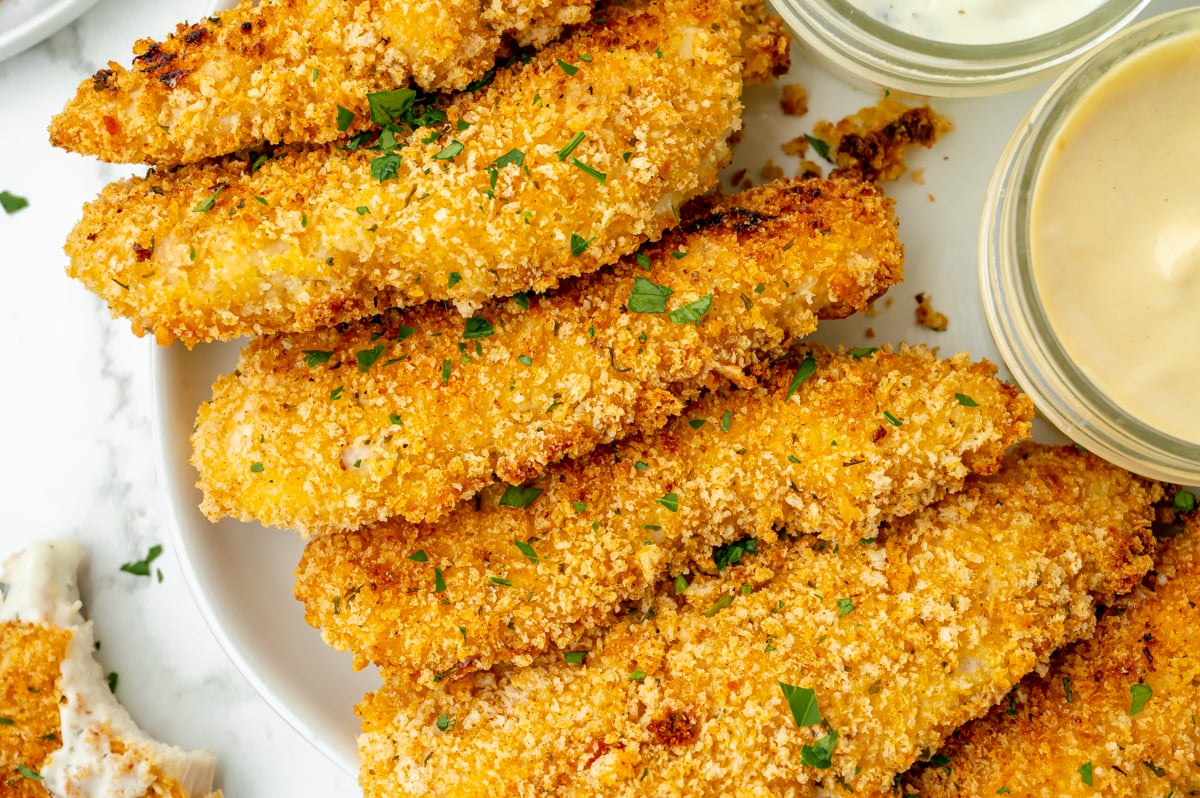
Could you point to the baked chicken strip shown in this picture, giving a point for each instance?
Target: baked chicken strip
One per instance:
(277, 72)
(342, 427)
(1115, 716)
(860, 439)
(805, 670)
(558, 167)
(62, 732)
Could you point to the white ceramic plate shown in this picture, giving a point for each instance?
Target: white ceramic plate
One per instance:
(241, 574)
(24, 23)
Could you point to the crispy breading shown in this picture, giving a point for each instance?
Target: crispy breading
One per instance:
(873, 141)
(607, 528)
(900, 640)
(558, 167)
(62, 731)
(276, 72)
(1037, 742)
(378, 429)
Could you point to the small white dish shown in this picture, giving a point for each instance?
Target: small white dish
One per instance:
(24, 23)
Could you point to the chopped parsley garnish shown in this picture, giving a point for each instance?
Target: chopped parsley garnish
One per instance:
(565, 67)
(718, 605)
(579, 244)
(726, 421)
(521, 300)
(142, 567)
(395, 419)
(12, 203)
(681, 584)
(362, 210)
(1003, 791)
(444, 722)
(803, 703)
(336, 393)
(367, 357)
(965, 400)
(579, 507)
(697, 423)
(794, 459)
(527, 550)
(637, 676)
(1184, 502)
(590, 171)
(439, 582)
(640, 466)
(570, 146)
(575, 657)
(819, 755)
(419, 556)
(732, 553)
(261, 200)
(863, 351)
(845, 607)
(5, 721)
(29, 774)
(820, 145)
(670, 501)
(1066, 683)
(113, 678)
(519, 496)
(207, 205)
(496, 580)
(895, 422)
(1085, 773)
(345, 118)
(389, 106)
(692, 312)
(446, 371)
(450, 152)
(255, 468)
(525, 360)
(1141, 694)
(513, 156)
(478, 327)
(384, 167)
(643, 260)
(807, 368)
(648, 297)
(454, 279)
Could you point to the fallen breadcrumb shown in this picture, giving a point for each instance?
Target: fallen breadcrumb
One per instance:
(864, 437)
(899, 640)
(873, 141)
(1077, 730)
(794, 101)
(410, 412)
(558, 167)
(279, 70)
(62, 731)
(929, 318)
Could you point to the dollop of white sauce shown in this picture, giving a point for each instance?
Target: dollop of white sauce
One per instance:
(41, 587)
(976, 21)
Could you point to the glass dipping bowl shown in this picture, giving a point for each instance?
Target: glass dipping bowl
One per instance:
(862, 47)
(1063, 394)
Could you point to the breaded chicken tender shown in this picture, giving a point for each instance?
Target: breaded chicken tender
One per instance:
(278, 71)
(806, 670)
(412, 411)
(831, 443)
(1115, 716)
(558, 167)
(62, 731)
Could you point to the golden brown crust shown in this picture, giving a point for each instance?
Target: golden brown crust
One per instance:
(574, 370)
(1035, 743)
(247, 77)
(945, 614)
(872, 142)
(827, 460)
(218, 250)
(30, 655)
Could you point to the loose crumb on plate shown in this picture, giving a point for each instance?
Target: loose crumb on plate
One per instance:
(928, 317)
(794, 101)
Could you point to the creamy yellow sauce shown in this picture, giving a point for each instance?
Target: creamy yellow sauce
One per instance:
(1115, 235)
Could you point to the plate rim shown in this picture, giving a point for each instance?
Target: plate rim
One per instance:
(42, 25)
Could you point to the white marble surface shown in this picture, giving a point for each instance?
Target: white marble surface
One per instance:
(77, 443)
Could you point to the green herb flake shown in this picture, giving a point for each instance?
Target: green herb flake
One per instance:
(819, 755)
(697, 423)
(670, 501)
(895, 422)
(444, 722)
(726, 421)
(362, 210)
(579, 244)
(807, 368)
(32, 775)
(1066, 683)
(965, 400)
(590, 171)
(388, 106)
(718, 605)
(643, 260)
(385, 167)
(113, 678)
(496, 580)
(575, 657)
(11, 203)
(256, 468)
(732, 553)
(261, 200)
(345, 118)
(570, 69)
(419, 556)
(1140, 695)
(142, 567)
(1184, 502)
(527, 550)
(692, 312)
(367, 357)
(648, 297)
(304, 221)
(439, 581)
(519, 496)
(794, 459)
(681, 584)
(845, 607)
(446, 371)
(395, 418)
(1003, 791)
(570, 146)
(336, 393)
(863, 351)
(478, 327)
(637, 676)
(525, 360)
(450, 152)
(207, 205)
(1085, 773)
(513, 156)
(640, 466)
(6, 721)
(820, 145)
(803, 703)
(579, 507)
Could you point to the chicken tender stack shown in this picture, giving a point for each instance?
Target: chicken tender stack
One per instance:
(278, 72)
(409, 412)
(805, 670)
(1115, 716)
(812, 450)
(558, 167)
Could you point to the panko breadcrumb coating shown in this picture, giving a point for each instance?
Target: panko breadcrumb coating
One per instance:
(558, 167)
(350, 426)
(824, 458)
(1078, 718)
(62, 732)
(276, 72)
(872, 142)
(900, 640)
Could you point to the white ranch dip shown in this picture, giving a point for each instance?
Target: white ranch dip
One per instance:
(976, 21)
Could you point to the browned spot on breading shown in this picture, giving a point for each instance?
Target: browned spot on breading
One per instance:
(676, 728)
